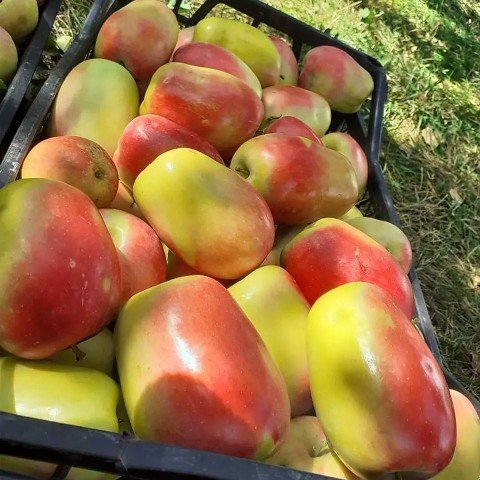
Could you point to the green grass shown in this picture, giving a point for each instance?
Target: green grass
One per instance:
(431, 51)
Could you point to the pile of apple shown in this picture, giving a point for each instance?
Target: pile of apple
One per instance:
(18, 19)
(213, 228)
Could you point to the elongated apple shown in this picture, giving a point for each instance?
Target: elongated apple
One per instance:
(212, 56)
(205, 213)
(378, 391)
(331, 253)
(465, 463)
(246, 42)
(272, 301)
(219, 107)
(300, 180)
(337, 77)
(288, 62)
(309, 107)
(148, 136)
(388, 235)
(60, 274)
(346, 145)
(194, 372)
(140, 252)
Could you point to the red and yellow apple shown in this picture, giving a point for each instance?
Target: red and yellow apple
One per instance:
(310, 108)
(124, 201)
(185, 36)
(293, 126)
(300, 180)
(148, 136)
(141, 255)
(274, 304)
(337, 77)
(378, 391)
(19, 18)
(288, 62)
(195, 373)
(219, 107)
(59, 271)
(77, 161)
(205, 213)
(331, 253)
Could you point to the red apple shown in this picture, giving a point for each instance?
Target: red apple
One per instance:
(142, 260)
(77, 161)
(59, 271)
(300, 180)
(293, 126)
(148, 136)
(195, 373)
(331, 253)
(288, 62)
(185, 36)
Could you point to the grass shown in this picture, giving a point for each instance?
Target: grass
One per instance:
(431, 51)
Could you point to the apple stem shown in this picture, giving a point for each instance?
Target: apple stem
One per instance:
(79, 355)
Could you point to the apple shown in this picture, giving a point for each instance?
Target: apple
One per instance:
(292, 126)
(309, 107)
(331, 253)
(77, 161)
(378, 391)
(201, 99)
(465, 463)
(124, 201)
(195, 373)
(19, 18)
(346, 145)
(337, 77)
(205, 213)
(97, 352)
(288, 62)
(283, 235)
(212, 56)
(185, 36)
(300, 180)
(58, 268)
(387, 235)
(97, 100)
(274, 304)
(248, 43)
(8, 57)
(140, 36)
(148, 136)
(354, 212)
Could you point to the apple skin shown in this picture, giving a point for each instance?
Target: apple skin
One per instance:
(141, 255)
(368, 367)
(201, 100)
(389, 236)
(309, 107)
(97, 100)
(77, 161)
(337, 77)
(124, 201)
(274, 304)
(300, 180)
(305, 448)
(8, 56)
(465, 463)
(293, 126)
(19, 18)
(212, 56)
(61, 276)
(346, 145)
(98, 353)
(140, 36)
(354, 212)
(248, 43)
(185, 36)
(331, 253)
(195, 373)
(148, 136)
(232, 232)
(288, 62)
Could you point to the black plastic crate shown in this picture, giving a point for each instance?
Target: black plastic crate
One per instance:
(29, 56)
(123, 454)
